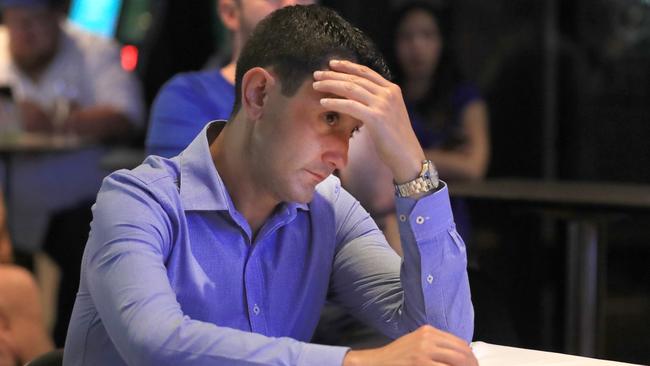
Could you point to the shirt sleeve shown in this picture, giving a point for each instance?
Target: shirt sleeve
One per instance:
(124, 270)
(430, 286)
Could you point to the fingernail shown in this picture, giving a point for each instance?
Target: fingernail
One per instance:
(318, 74)
(316, 84)
(323, 101)
(334, 62)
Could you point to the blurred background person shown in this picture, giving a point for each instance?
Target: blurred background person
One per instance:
(6, 252)
(450, 119)
(65, 81)
(448, 115)
(22, 330)
(190, 100)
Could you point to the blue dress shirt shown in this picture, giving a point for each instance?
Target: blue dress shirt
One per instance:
(183, 107)
(171, 274)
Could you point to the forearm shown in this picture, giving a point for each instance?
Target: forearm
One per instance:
(6, 251)
(434, 274)
(457, 165)
(370, 280)
(153, 330)
(99, 122)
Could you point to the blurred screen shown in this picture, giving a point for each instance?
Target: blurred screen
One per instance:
(97, 16)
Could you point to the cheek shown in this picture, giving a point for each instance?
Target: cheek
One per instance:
(407, 50)
(435, 47)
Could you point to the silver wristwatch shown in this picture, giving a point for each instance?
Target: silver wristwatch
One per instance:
(425, 182)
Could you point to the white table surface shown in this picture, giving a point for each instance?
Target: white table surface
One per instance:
(494, 355)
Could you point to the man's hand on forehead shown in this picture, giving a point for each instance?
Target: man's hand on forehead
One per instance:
(378, 103)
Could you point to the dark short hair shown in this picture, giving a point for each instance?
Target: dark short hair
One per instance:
(298, 40)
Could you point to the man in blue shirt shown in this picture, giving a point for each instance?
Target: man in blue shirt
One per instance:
(190, 100)
(225, 254)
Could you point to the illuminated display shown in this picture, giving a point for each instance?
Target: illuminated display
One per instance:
(97, 16)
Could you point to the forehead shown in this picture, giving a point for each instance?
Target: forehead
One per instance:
(418, 17)
(306, 100)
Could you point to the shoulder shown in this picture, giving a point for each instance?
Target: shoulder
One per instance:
(89, 44)
(329, 190)
(156, 179)
(201, 95)
(332, 197)
(183, 87)
(195, 81)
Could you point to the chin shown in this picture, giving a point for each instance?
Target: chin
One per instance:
(301, 194)
(305, 197)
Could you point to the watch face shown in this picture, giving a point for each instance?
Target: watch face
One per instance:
(432, 173)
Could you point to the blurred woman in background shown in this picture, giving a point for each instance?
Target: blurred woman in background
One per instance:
(448, 115)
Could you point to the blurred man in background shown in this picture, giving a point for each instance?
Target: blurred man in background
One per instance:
(190, 100)
(68, 82)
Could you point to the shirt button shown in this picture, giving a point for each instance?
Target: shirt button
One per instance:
(402, 218)
(256, 309)
(430, 279)
(419, 220)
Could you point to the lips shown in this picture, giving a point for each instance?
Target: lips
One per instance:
(319, 176)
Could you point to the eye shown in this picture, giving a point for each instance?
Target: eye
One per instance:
(331, 118)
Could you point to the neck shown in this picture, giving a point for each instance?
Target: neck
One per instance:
(233, 160)
(415, 88)
(228, 71)
(35, 69)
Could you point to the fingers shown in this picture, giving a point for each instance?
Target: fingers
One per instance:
(448, 340)
(370, 86)
(364, 72)
(448, 356)
(350, 107)
(346, 90)
(446, 347)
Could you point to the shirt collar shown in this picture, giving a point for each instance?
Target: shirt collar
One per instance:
(201, 187)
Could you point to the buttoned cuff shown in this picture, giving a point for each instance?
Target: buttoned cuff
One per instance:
(317, 354)
(426, 216)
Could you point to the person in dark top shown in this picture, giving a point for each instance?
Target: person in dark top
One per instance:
(448, 115)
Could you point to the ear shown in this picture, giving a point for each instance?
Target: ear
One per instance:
(229, 14)
(255, 86)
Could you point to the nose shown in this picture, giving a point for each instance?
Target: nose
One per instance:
(336, 151)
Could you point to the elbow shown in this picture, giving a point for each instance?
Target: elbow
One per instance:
(477, 173)
(153, 348)
(477, 169)
(473, 172)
